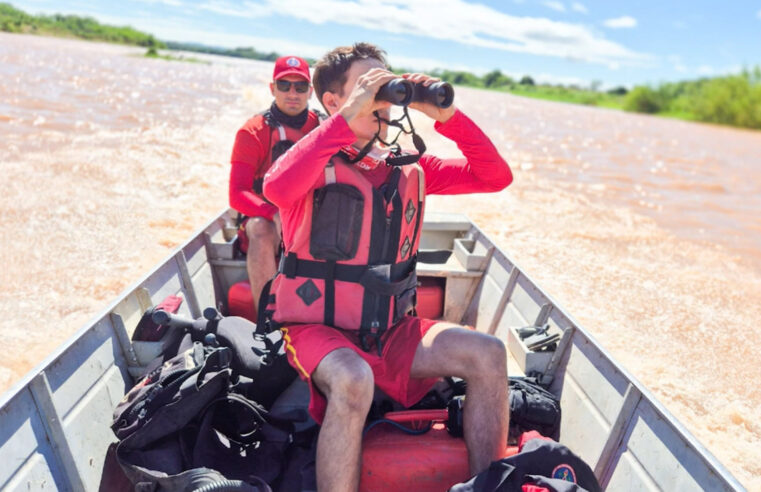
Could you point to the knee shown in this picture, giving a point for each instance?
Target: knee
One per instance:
(259, 228)
(352, 386)
(489, 356)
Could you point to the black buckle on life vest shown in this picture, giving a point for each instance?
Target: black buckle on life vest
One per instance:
(375, 331)
(288, 265)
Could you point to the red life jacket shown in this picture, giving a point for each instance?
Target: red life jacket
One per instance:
(352, 262)
(281, 138)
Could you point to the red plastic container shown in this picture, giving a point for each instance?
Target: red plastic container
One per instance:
(431, 462)
(240, 302)
(430, 297)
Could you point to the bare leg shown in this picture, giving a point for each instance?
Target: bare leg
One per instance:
(480, 359)
(347, 382)
(263, 239)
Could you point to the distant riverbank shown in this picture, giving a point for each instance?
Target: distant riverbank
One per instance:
(732, 100)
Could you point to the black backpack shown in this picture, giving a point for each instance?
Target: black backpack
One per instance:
(531, 406)
(195, 422)
(186, 425)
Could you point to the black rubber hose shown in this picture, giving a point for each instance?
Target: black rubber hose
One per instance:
(229, 486)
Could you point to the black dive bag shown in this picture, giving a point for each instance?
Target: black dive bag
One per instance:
(531, 406)
(194, 421)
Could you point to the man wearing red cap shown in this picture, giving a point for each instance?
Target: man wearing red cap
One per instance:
(259, 142)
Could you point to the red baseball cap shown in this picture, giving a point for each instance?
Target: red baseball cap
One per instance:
(291, 65)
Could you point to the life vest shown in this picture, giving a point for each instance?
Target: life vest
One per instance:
(281, 138)
(351, 264)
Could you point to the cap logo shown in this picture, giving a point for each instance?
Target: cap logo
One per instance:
(292, 62)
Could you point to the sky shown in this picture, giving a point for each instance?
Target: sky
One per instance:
(583, 42)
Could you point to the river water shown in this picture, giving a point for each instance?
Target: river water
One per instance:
(647, 230)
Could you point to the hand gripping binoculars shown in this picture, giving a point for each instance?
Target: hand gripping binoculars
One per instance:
(403, 92)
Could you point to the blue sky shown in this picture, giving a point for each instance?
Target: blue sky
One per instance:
(561, 41)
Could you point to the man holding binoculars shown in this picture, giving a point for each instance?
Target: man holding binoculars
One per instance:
(351, 216)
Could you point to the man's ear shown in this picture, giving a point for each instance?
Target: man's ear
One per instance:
(330, 102)
(272, 88)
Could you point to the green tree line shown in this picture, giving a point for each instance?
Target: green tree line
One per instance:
(234, 52)
(17, 21)
(728, 100)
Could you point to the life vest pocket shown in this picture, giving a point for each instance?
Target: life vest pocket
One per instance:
(336, 222)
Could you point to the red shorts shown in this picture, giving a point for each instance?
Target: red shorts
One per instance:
(306, 345)
(242, 236)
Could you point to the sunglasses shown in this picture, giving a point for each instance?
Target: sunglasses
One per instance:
(285, 86)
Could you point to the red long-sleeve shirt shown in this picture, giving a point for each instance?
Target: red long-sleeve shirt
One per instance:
(249, 158)
(298, 171)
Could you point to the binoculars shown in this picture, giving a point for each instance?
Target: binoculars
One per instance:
(402, 92)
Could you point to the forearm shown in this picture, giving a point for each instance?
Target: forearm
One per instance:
(241, 196)
(482, 160)
(482, 170)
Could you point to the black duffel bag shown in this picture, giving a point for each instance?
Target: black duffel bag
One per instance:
(185, 427)
(531, 406)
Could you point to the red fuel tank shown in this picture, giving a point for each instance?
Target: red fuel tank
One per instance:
(430, 462)
(430, 297)
(240, 302)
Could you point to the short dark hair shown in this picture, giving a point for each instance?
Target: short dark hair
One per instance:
(330, 70)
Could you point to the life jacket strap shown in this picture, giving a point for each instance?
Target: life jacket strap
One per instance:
(384, 279)
(376, 333)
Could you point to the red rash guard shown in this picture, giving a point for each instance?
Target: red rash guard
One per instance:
(298, 171)
(250, 153)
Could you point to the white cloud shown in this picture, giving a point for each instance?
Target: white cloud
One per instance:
(677, 64)
(459, 21)
(451, 20)
(171, 3)
(554, 5)
(623, 22)
(706, 70)
(579, 7)
(233, 10)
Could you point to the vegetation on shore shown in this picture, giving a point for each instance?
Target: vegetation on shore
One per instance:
(153, 53)
(729, 100)
(17, 21)
(234, 52)
(733, 100)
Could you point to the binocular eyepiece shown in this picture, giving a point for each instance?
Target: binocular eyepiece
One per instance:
(402, 92)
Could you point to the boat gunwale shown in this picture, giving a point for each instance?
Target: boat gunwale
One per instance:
(659, 408)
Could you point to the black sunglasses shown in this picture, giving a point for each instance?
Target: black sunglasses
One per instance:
(285, 86)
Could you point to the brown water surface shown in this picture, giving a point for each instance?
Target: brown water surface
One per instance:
(646, 230)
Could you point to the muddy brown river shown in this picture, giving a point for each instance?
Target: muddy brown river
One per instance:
(647, 230)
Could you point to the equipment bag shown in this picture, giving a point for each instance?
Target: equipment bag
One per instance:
(185, 411)
(531, 406)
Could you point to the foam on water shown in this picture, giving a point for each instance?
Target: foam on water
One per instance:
(646, 230)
